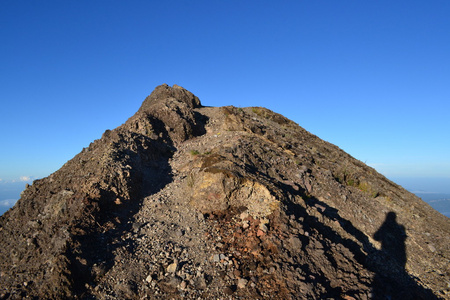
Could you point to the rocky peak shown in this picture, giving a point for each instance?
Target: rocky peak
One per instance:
(186, 201)
(164, 92)
(168, 111)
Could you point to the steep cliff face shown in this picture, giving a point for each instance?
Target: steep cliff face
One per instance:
(186, 201)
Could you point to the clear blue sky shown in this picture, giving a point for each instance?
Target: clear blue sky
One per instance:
(372, 77)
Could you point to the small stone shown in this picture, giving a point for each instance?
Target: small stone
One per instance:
(263, 227)
(229, 290)
(172, 268)
(243, 215)
(200, 283)
(216, 258)
(242, 283)
(296, 243)
(432, 248)
(245, 225)
(321, 208)
(149, 278)
(237, 273)
(136, 226)
(175, 281)
(259, 233)
(183, 285)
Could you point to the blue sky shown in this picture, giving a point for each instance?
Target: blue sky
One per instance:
(372, 77)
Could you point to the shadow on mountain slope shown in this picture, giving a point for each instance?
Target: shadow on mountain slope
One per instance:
(391, 281)
(99, 235)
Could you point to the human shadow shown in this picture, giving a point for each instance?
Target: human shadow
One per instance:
(392, 237)
(391, 281)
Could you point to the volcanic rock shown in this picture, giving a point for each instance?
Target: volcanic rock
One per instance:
(184, 201)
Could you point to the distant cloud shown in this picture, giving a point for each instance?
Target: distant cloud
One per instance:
(8, 202)
(16, 180)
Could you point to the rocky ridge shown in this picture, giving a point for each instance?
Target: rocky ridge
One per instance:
(187, 201)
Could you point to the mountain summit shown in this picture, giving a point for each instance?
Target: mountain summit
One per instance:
(186, 201)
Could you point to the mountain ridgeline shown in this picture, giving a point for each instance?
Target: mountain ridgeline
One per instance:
(185, 201)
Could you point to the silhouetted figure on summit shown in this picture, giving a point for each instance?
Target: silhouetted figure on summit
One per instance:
(392, 237)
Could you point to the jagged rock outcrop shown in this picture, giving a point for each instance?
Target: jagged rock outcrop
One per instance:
(186, 201)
